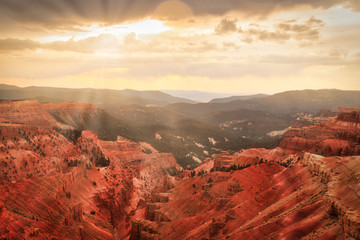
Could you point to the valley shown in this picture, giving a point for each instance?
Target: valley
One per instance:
(191, 131)
(73, 171)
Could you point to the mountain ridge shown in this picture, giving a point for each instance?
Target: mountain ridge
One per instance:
(284, 102)
(99, 97)
(234, 98)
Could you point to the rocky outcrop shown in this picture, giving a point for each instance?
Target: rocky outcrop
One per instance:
(29, 112)
(74, 114)
(230, 215)
(234, 188)
(153, 213)
(159, 197)
(30, 151)
(222, 201)
(144, 230)
(150, 210)
(349, 221)
(160, 216)
(223, 160)
(76, 214)
(215, 226)
(353, 116)
(316, 167)
(340, 137)
(342, 175)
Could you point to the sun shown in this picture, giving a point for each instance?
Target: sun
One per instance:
(145, 27)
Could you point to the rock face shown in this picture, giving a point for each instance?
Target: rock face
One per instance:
(353, 116)
(79, 188)
(75, 215)
(223, 160)
(342, 176)
(282, 193)
(82, 187)
(215, 226)
(245, 158)
(340, 136)
(307, 199)
(159, 197)
(144, 230)
(28, 112)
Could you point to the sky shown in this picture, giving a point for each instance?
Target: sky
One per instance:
(234, 47)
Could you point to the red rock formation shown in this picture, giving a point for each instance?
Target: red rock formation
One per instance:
(93, 189)
(342, 176)
(215, 226)
(75, 215)
(28, 112)
(54, 188)
(353, 116)
(150, 211)
(223, 160)
(340, 136)
(72, 113)
(159, 197)
(144, 230)
(279, 193)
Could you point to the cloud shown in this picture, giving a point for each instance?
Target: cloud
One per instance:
(353, 4)
(12, 44)
(161, 45)
(226, 26)
(262, 7)
(306, 31)
(280, 32)
(102, 42)
(53, 14)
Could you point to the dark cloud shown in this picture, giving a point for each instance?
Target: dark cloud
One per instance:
(261, 7)
(56, 13)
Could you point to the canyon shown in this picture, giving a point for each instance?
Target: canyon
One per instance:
(61, 180)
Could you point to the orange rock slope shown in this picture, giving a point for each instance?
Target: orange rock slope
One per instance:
(283, 193)
(86, 188)
(53, 188)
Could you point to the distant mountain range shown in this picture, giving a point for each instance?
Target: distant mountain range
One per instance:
(234, 98)
(285, 102)
(100, 97)
(198, 96)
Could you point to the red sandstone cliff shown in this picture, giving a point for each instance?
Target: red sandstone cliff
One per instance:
(340, 136)
(283, 193)
(92, 189)
(86, 189)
